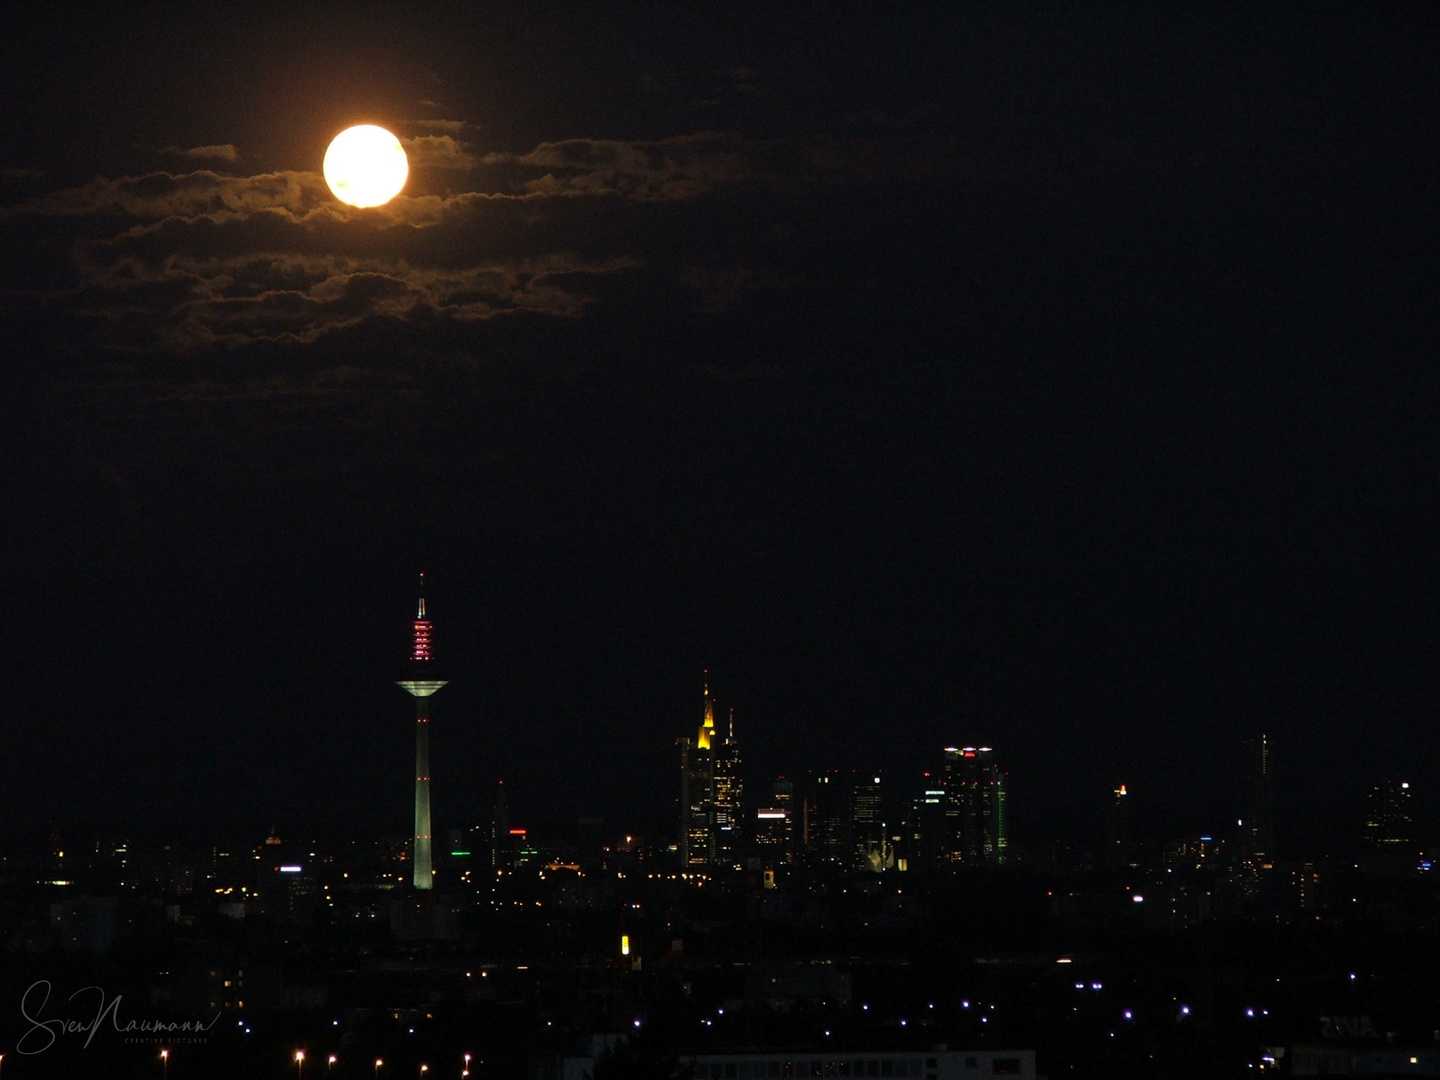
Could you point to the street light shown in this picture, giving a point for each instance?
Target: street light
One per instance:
(378, 1063)
(299, 1063)
(164, 1063)
(331, 1063)
(464, 1072)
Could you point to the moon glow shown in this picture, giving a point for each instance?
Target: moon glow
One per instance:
(366, 166)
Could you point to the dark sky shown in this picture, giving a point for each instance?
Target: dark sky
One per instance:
(1059, 379)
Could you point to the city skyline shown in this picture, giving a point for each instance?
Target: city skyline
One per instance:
(712, 812)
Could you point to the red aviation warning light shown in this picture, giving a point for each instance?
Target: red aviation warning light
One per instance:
(421, 649)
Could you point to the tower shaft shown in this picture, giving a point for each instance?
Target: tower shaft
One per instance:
(424, 876)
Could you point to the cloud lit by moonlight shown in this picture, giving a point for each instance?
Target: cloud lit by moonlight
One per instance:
(366, 166)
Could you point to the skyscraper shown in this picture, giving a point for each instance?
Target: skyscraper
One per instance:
(1258, 825)
(1389, 818)
(773, 826)
(975, 806)
(728, 791)
(1117, 829)
(421, 680)
(500, 829)
(830, 835)
(697, 791)
(868, 833)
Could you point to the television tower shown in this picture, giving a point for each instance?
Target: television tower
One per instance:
(421, 680)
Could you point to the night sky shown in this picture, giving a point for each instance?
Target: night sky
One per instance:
(1061, 380)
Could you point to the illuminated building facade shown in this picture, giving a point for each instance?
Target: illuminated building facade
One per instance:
(1389, 817)
(1117, 829)
(925, 832)
(828, 833)
(934, 1064)
(975, 807)
(873, 849)
(772, 836)
(697, 792)
(500, 846)
(1258, 825)
(727, 789)
(421, 681)
(774, 826)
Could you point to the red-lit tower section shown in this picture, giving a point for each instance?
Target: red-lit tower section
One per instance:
(422, 681)
(420, 651)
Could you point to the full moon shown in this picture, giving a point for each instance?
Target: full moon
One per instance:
(366, 166)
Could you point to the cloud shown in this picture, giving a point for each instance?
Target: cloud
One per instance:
(218, 152)
(449, 127)
(162, 194)
(677, 168)
(195, 259)
(438, 152)
(229, 278)
(721, 288)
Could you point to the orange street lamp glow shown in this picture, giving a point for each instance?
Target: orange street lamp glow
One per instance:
(366, 166)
